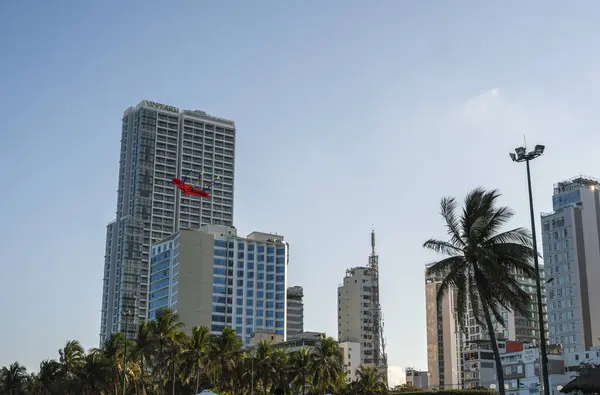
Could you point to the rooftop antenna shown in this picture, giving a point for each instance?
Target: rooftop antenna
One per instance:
(379, 355)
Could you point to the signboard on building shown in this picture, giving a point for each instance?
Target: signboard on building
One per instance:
(530, 355)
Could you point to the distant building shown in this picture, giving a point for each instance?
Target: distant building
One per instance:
(571, 240)
(444, 359)
(417, 378)
(225, 280)
(269, 337)
(351, 352)
(360, 318)
(295, 311)
(355, 322)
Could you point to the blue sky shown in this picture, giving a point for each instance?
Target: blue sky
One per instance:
(349, 114)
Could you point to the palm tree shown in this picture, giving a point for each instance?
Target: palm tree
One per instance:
(143, 349)
(327, 365)
(370, 381)
(94, 373)
(48, 378)
(301, 368)
(72, 357)
(165, 328)
(264, 366)
(13, 379)
(481, 262)
(195, 353)
(281, 369)
(221, 355)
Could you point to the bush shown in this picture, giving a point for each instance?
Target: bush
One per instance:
(447, 392)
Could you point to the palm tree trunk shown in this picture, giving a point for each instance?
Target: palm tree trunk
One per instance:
(197, 379)
(173, 386)
(499, 370)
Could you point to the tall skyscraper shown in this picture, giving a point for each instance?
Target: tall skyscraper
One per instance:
(159, 142)
(359, 312)
(295, 311)
(571, 240)
(215, 278)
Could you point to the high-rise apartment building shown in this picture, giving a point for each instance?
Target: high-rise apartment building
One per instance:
(360, 319)
(295, 311)
(215, 278)
(355, 312)
(571, 241)
(159, 142)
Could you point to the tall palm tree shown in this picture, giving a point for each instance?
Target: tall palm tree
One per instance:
(370, 381)
(221, 355)
(48, 378)
(264, 366)
(72, 358)
(301, 368)
(13, 379)
(327, 365)
(94, 373)
(165, 328)
(143, 349)
(482, 262)
(281, 369)
(195, 352)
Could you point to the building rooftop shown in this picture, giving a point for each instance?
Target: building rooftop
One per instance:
(576, 182)
(193, 113)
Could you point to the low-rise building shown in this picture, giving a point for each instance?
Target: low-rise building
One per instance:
(417, 378)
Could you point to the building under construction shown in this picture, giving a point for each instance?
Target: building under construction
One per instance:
(360, 318)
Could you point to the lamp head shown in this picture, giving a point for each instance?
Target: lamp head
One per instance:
(513, 157)
(520, 151)
(539, 149)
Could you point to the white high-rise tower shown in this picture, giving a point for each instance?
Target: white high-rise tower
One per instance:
(159, 142)
(359, 312)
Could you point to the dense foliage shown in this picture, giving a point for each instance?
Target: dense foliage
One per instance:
(164, 360)
(447, 392)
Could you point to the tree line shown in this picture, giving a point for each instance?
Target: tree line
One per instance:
(165, 360)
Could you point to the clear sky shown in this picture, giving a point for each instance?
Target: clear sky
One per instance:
(349, 114)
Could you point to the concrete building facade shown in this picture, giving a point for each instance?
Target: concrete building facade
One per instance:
(215, 278)
(444, 360)
(295, 311)
(355, 318)
(571, 246)
(159, 142)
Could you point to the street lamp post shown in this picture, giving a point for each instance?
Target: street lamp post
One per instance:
(521, 155)
(127, 313)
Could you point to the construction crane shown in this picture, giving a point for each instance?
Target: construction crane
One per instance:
(379, 355)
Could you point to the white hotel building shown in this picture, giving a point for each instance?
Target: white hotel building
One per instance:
(213, 277)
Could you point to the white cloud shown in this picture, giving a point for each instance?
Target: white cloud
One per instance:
(396, 376)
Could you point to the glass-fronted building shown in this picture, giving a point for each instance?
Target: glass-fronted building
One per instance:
(240, 281)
